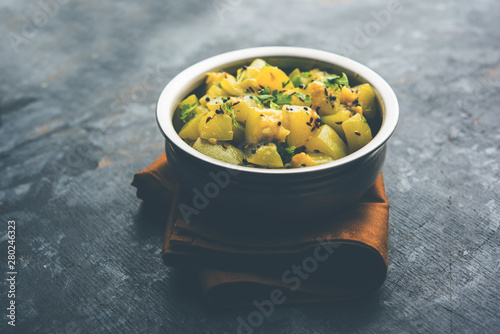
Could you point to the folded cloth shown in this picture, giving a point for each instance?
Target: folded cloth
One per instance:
(342, 257)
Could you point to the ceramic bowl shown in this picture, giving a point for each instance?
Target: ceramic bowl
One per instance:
(274, 195)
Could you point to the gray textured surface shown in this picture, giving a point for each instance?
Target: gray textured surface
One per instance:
(77, 120)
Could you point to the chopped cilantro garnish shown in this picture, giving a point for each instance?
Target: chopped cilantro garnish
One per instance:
(273, 105)
(266, 97)
(286, 153)
(284, 84)
(297, 79)
(305, 98)
(187, 110)
(228, 108)
(265, 90)
(335, 81)
(220, 86)
(282, 98)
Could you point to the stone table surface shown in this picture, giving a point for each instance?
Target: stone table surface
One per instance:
(79, 82)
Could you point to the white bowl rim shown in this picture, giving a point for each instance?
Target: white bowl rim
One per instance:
(181, 85)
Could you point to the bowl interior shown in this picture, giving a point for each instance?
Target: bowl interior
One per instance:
(286, 58)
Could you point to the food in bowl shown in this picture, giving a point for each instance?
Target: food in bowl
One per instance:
(262, 117)
(277, 195)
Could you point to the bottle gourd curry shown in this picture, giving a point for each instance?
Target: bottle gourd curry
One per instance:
(265, 118)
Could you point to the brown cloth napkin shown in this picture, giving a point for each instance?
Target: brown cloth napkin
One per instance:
(342, 257)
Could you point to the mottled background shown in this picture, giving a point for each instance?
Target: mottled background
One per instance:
(78, 86)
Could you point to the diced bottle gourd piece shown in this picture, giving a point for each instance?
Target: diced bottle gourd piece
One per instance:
(241, 105)
(319, 158)
(264, 75)
(215, 103)
(238, 133)
(349, 98)
(251, 72)
(357, 132)
(310, 159)
(335, 121)
(190, 100)
(214, 78)
(188, 105)
(186, 110)
(326, 140)
(232, 87)
(347, 95)
(258, 63)
(190, 129)
(216, 126)
(367, 100)
(203, 100)
(300, 121)
(273, 77)
(247, 83)
(295, 77)
(200, 110)
(324, 100)
(220, 151)
(265, 155)
(215, 91)
(264, 124)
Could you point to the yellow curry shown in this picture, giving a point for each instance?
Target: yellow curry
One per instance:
(263, 117)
